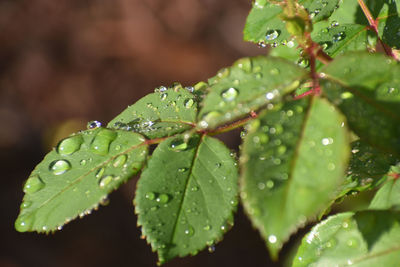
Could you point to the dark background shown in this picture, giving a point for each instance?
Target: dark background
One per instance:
(65, 62)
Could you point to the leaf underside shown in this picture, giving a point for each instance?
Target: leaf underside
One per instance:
(78, 175)
(293, 159)
(186, 196)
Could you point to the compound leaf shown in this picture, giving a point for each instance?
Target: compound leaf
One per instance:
(293, 161)
(366, 87)
(187, 195)
(248, 85)
(163, 113)
(78, 175)
(367, 238)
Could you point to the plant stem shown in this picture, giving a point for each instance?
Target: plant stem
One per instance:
(234, 125)
(373, 24)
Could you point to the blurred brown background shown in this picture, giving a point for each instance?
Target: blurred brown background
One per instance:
(65, 62)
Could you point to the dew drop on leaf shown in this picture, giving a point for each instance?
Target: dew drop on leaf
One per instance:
(59, 167)
(271, 35)
(272, 239)
(33, 184)
(105, 180)
(245, 64)
(229, 94)
(338, 37)
(22, 224)
(163, 198)
(188, 103)
(100, 172)
(150, 195)
(93, 125)
(119, 161)
(207, 227)
(260, 3)
(69, 145)
(178, 144)
(101, 143)
(189, 231)
(82, 162)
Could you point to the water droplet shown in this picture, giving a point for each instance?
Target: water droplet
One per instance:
(194, 188)
(82, 162)
(207, 227)
(223, 73)
(163, 96)
(245, 64)
(150, 196)
(178, 144)
(59, 167)
(334, 24)
(93, 125)
(100, 172)
(119, 161)
(271, 35)
(260, 3)
(188, 103)
(261, 186)
(352, 242)
(338, 37)
(274, 71)
(33, 184)
(105, 180)
(22, 224)
(346, 95)
(229, 94)
(182, 169)
(189, 231)
(101, 143)
(345, 225)
(25, 205)
(272, 239)
(331, 166)
(163, 198)
(327, 141)
(69, 145)
(270, 184)
(200, 86)
(211, 249)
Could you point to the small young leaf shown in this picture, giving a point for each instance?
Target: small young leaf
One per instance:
(293, 160)
(264, 23)
(389, 194)
(160, 114)
(248, 85)
(187, 195)
(78, 175)
(366, 87)
(367, 238)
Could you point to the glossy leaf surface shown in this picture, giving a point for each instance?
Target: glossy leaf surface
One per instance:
(249, 84)
(293, 159)
(187, 195)
(366, 87)
(163, 113)
(388, 195)
(78, 175)
(367, 238)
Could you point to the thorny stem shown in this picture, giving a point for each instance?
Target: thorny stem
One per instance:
(373, 25)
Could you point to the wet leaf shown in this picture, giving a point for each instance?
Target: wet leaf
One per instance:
(160, 114)
(251, 83)
(366, 238)
(293, 160)
(77, 176)
(366, 87)
(187, 195)
(264, 23)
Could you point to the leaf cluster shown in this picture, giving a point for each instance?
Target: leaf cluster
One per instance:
(321, 119)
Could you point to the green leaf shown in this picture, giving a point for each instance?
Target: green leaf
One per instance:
(78, 175)
(163, 113)
(249, 84)
(366, 87)
(367, 238)
(389, 194)
(293, 160)
(367, 168)
(264, 23)
(338, 39)
(187, 195)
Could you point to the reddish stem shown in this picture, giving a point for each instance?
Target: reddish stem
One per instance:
(373, 25)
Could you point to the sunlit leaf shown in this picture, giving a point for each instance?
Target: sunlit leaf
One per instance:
(163, 113)
(187, 195)
(77, 176)
(367, 238)
(293, 160)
